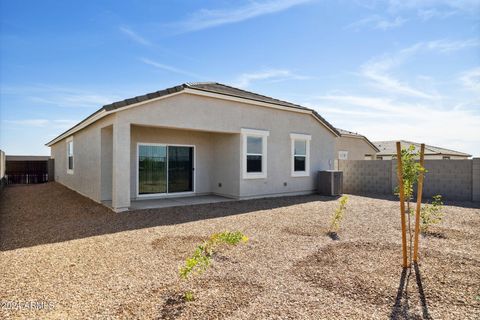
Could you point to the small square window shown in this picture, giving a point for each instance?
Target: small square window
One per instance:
(343, 155)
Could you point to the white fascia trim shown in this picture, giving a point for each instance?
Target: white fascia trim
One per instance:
(306, 138)
(300, 136)
(256, 133)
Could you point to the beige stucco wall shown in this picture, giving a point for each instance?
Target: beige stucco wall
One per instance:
(357, 148)
(216, 115)
(212, 153)
(106, 163)
(105, 152)
(87, 151)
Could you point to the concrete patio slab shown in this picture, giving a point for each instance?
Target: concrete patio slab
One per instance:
(172, 202)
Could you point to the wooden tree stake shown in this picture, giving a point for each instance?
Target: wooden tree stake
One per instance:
(402, 203)
(419, 205)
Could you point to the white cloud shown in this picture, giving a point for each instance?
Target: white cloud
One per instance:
(379, 70)
(471, 79)
(424, 10)
(377, 22)
(389, 119)
(272, 75)
(43, 123)
(74, 100)
(398, 110)
(169, 68)
(59, 96)
(468, 6)
(134, 36)
(208, 18)
(431, 13)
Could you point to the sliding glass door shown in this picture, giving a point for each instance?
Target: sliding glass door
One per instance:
(165, 169)
(180, 169)
(152, 169)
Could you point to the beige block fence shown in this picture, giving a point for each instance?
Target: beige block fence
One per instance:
(453, 179)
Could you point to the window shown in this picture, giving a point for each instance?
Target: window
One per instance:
(342, 155)
(368, 157)
(70, 155)
(446, 158)
(300, 154)
(254, 153)
(164, 169)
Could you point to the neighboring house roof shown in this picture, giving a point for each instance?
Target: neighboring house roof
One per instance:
(390, 148)
(207, 87)
(27, 158)
(346, 133)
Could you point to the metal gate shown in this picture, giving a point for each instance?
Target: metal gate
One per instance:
(28, 171)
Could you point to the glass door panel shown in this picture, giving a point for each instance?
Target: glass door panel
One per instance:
(152, 169)
(180, 169)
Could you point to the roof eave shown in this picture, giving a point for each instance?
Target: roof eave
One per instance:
(138, 100)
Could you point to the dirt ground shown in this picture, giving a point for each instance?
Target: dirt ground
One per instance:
(64, 256)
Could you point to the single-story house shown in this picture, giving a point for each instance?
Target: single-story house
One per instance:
(354, 146)
(388, 151)
(194, 139)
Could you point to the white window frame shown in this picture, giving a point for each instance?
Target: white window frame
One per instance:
(343, 152)
(257, 134)
(68, 141)
(300, 137)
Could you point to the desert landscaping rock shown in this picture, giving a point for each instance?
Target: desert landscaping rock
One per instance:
(88, 262)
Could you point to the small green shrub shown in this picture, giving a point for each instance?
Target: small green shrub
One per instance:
(202, 257)
(197, 263)
(431, 214)
(189, 296)
(337, 216)
(231, 238)
(411, 171)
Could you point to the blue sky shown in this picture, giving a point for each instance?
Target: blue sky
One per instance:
(387, 69)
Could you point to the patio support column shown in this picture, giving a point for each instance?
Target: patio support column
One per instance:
(121, 166)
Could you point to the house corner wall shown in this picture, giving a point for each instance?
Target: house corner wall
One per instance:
(86, 176)
(476, 179)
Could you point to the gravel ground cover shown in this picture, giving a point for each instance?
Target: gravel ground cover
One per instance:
(64, 256)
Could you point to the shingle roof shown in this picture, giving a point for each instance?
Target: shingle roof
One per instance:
(390, 148)
(356, 134)
(213, 87)
(342, 131)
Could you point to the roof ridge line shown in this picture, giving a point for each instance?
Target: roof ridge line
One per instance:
(261, 95)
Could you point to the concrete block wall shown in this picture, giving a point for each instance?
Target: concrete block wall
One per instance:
(450, 178)
(366, 176)
(476, 179)
(454, 180)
